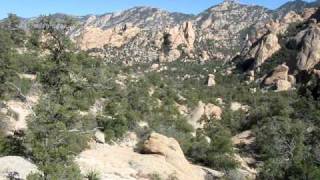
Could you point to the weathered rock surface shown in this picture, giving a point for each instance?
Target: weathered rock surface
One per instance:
(93, 37)
(16, 167)
(309, 55)
(227, 24)
(264, 48)
(163, 156)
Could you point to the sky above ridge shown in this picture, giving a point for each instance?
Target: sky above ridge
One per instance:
(32, 8)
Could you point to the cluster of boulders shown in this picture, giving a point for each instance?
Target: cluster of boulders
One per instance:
(280, 78)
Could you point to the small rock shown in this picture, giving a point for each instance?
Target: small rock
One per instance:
(211, 80)
(99, 137)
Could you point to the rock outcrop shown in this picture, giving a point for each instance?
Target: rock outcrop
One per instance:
(211, 80)
(212, 111)
(209, 111)
(279, 73)
(264, 48)
(176, 41)
(15, 167)
(309, 55)
(227, 24)
(162, 156)
(280, 78)
(92, 37)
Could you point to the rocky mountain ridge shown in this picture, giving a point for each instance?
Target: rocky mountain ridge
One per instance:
(146, 34)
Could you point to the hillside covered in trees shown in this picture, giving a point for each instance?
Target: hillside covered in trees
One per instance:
(68, 114)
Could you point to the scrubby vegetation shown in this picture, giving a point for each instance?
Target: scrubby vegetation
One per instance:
(286, 125)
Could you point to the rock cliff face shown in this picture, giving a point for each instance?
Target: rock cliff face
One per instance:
(141, 34)
(264, 48)
(227, 25)
(309, 55)
(298, 33)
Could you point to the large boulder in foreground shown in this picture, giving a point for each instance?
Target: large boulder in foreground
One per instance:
(16, 167)
(162, 156)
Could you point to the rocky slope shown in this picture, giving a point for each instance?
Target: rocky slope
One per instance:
(290, 46)
(297, 6)
(142, 17)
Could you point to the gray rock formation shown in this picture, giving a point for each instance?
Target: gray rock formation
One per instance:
(309, 55)
(264, 48)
